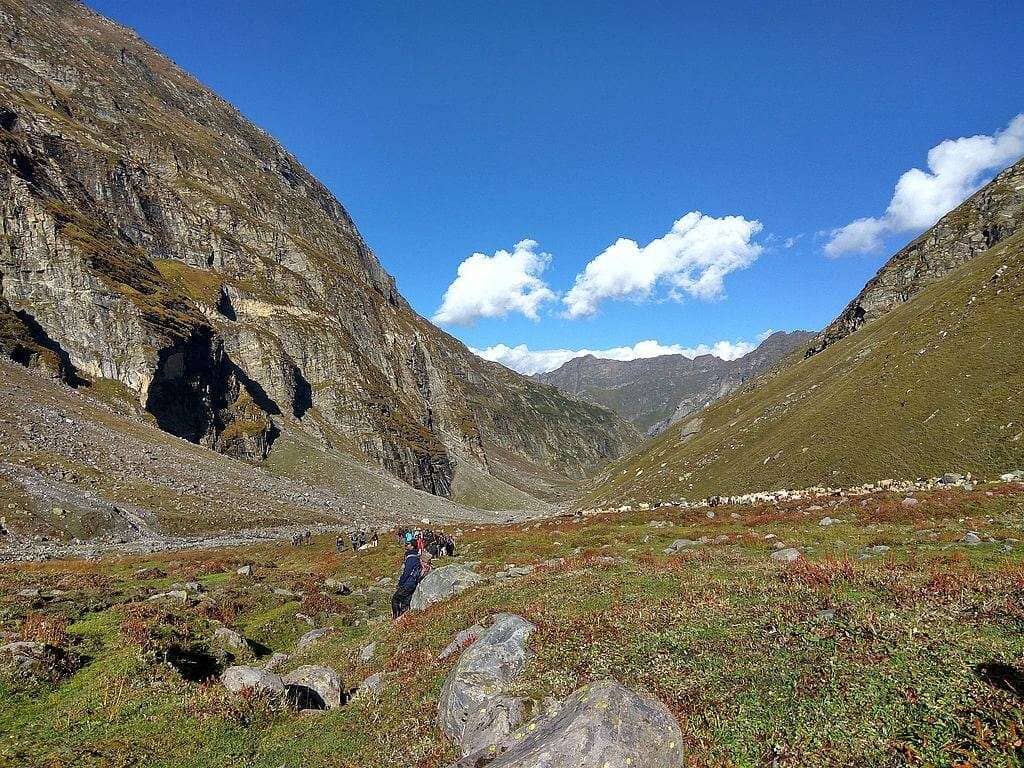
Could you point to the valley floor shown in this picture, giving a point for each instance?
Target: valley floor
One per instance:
(895, 638)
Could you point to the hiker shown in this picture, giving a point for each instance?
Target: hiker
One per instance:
(354, 538)
(376, 538)
(362, 537)
(339, 545)
(412, 572)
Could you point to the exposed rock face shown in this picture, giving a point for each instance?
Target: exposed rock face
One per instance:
(604, 724)
(656, 392)
(157, 238)
(991, 215)
(475, 709)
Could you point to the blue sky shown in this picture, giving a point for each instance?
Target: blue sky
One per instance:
(448, 129)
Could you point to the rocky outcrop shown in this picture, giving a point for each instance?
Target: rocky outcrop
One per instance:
(476, 709)
(313, 687)
(157, 238)
(656, 392)
(603, 724)
(988, 217)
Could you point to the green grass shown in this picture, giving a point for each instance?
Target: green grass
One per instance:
(735, 644)
(936, 385)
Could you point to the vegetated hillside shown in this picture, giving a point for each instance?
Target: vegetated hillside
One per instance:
(154, 237)
(991, 215)
(889, 641)
(655, 392)
(935, 385)
(83, 464)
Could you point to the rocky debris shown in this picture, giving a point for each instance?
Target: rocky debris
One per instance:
(680, 544)
(461, 640)
(276, 660)
(827, 521)
(786, 555)
(25, 657)
(371, 685)
(910, 501)
(245, 570)
(230, 640)
(335, 587)
(173, 594)
(475, 709)
(515, 571)
(873, 551)
(602, 725)
(260, 681)
(311, 638)
(971, 538)
(367, 652)
(313, 687)
(443, 584)
(1017, 476)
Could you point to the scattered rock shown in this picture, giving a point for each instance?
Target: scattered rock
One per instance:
(600, 726)
(475, 710)
(276, 661)
(245, 570)
(313, 687)
(367, 652)
(442, 584)
(371, 685)
(241, 678)
(311, 638)
(230, 639)
(462, 640)
(787, 555)
(910, 501)
(827, 521)
(972, 538)
(680, 544)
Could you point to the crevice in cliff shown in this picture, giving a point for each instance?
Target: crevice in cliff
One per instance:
(199, 395)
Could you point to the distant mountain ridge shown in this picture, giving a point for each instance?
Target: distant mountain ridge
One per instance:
(655, 392)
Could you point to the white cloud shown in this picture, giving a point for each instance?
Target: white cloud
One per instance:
(693, 258)
(495, 286)
(956, 169)
(528, 361)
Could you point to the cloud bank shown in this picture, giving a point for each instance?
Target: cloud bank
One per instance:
(956, 169)
(495, 286)
(692, 258)
(527, 361)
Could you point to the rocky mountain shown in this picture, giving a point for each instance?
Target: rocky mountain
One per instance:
(993, 214)
(655, 392)
(155, 239)
(935, 384)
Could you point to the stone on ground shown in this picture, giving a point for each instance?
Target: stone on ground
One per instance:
(602, 725)
(460, 641)
(311, 638)
(313, 687)
(787, 555)
(230, 639)
(443, 584)
(260, 681)
(680, 544)
(475, 709)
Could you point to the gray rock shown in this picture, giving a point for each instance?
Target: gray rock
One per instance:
(313, 687)
(827, 521)
(910, 501)
(475, 710)
(245, 570)
(276, 661)
(971, 538)
(371, 685)
(367, 652)
(442, 584)
(241, 678)
(25, 656)
(680, 544)
(461, 640)
(312, 637)
(1017, 476)
(604, 724)
(230, 639)
(951, 478)
(787, 555)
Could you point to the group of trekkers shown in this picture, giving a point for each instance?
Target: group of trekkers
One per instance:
(302, 538)
(359, 538)
(421, 547)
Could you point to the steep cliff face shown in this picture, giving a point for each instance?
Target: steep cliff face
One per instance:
(988, 217)
(655, 392)
(158, 238)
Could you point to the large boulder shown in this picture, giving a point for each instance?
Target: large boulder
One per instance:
(241, 678)
(604, 724)
(230, 640)
(313, 687)
(475, 709)
(444, 583)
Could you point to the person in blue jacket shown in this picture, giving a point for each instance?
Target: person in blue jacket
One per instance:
(412, 571)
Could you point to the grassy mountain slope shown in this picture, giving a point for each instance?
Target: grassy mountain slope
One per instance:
(833, 660)
(937, 384)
